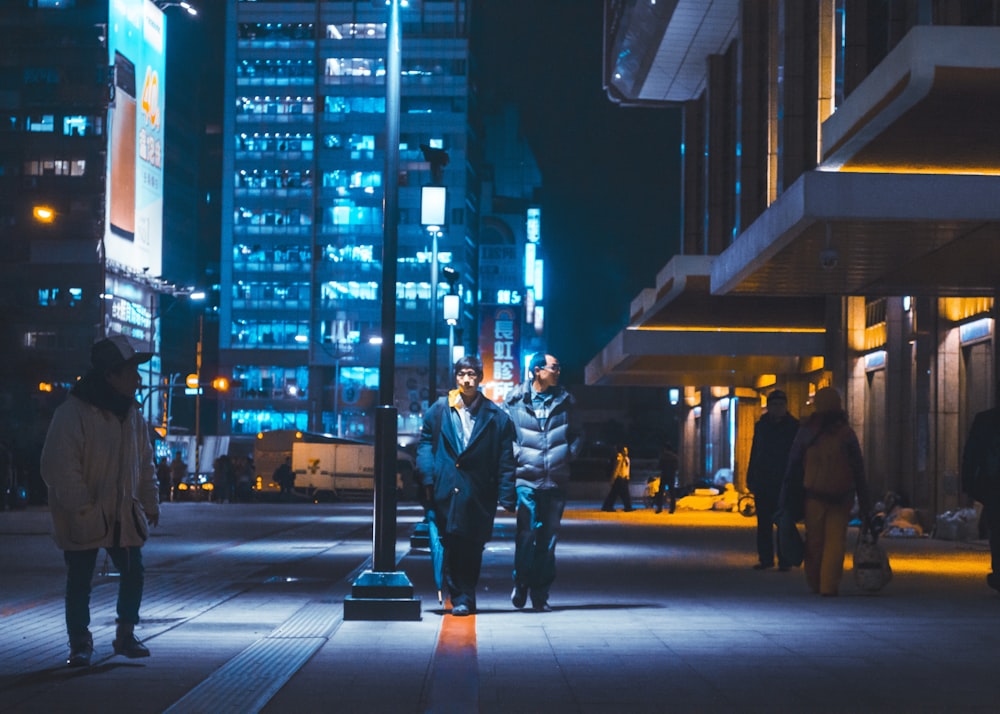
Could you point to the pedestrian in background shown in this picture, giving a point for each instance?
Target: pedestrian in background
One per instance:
(285, 478)
(163, 479)
(178, 472)
(224, 478)
(97, 462)
(465, 459)
(981, 478)
(772, 441)
(667, 466)
(620, 480)
(547, 441)
(826, 458)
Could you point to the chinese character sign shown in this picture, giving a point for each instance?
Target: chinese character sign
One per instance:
(500, 350)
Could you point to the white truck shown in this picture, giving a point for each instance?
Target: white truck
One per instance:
(325, 467)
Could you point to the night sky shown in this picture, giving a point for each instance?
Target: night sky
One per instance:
(611, 175)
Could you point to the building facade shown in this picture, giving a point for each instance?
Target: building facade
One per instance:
(837, 223)
(83, 131)
(302, 230)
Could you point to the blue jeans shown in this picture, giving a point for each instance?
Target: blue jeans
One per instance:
(539, 512)
(80, 572)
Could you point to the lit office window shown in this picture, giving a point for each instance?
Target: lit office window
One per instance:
(55, 167)
(82, 126)
(356, 31)
(354, 70)
(268, 334)
(356, 105)
(42, 123)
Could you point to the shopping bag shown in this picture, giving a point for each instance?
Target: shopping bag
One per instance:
(872, 571)
(790, 546)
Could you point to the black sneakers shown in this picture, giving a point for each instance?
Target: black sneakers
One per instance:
(127, 645)
(81, 649)
(519, 596)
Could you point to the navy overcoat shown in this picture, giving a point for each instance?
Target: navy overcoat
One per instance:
(468, 483)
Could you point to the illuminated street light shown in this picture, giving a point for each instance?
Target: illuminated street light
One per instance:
(44, 214)
(184, 5)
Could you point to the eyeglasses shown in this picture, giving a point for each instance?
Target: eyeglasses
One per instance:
(553, 367)
(467, 373)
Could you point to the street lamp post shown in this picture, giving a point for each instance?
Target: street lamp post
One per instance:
(197, 395)
(383, 593)
(452, 310)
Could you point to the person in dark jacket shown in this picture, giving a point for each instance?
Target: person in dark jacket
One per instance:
(284, 476)
(826, 460)
(546, 443)
(667, 466)
(465, 461)
(981, 478)
(772, 440)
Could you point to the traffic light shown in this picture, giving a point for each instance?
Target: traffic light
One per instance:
(221, 384)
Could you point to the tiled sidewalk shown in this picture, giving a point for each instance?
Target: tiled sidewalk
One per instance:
(652, 613)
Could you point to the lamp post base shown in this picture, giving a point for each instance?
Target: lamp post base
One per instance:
(382, 596)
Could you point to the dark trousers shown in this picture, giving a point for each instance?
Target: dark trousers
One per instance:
(666, 488)
(539, 513)
(766, 504)
(463, 563)
(619, 488)
(80, 566)
(991, 514)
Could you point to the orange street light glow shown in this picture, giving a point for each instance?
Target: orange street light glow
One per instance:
(44, 214)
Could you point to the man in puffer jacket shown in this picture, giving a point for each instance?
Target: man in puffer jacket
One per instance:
(545, 444)
(97, 462)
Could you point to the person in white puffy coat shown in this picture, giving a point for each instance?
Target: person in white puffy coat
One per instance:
(97, 462)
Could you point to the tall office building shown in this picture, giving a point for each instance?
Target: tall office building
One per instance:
(303, 210)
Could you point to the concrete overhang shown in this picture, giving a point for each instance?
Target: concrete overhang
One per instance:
(929, 107)
(870, 234)
(680, 333)
(681, 297)
(661, 51)
(905, 199)
(723, 357)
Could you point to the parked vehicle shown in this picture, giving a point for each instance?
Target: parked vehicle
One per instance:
(326, 467)
(195, 487)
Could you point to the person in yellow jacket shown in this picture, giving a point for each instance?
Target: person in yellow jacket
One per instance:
(620, 482)
(97, 463)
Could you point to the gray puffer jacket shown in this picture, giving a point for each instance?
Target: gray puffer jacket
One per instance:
(543, 453)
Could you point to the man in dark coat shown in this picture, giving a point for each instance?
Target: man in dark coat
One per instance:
(772, 440)
(667, 466)
(465, 460)
(981, 478)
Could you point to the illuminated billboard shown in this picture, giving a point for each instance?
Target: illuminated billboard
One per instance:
(133, 234)
(500, 350)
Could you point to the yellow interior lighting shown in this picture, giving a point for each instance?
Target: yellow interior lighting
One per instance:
(719, 328)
